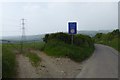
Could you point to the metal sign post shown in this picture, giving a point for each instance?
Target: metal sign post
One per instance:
(72, 39)
(72, 27)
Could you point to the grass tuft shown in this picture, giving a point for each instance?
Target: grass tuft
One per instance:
(34, 58)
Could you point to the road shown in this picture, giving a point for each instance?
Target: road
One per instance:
(102, 64)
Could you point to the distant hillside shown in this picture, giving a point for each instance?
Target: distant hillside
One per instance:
(39, 37)
(27, 38)
(93, 33)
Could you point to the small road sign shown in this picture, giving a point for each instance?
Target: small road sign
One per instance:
(72, 27)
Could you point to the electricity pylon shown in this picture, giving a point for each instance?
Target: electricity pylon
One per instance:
(23, 38)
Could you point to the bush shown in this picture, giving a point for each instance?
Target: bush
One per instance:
(59, 45)
(78, 39)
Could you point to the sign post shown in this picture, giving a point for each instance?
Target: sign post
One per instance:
(72, 29)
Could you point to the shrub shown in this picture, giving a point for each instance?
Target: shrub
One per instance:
(59, 45)
(79, 39)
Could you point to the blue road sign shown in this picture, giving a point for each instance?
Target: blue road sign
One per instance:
(72, 27)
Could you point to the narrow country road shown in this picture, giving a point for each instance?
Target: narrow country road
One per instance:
(102, 64)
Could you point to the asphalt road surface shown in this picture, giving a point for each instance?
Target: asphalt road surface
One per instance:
(102, 64)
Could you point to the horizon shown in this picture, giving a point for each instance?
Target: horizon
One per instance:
(53, 32)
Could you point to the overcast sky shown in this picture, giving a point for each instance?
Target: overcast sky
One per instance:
(47, 17)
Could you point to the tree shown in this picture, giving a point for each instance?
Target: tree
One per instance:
(45, 39)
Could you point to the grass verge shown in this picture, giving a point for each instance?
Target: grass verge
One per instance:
(8, 62)
(113, 43)
(61, 49)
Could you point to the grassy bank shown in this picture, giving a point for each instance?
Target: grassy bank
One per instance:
(82, 48)
(60, 49)
(113, 43)
(111, 39)
(8, 61)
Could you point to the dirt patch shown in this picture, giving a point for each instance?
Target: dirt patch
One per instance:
(51, 67)
(25, 69)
